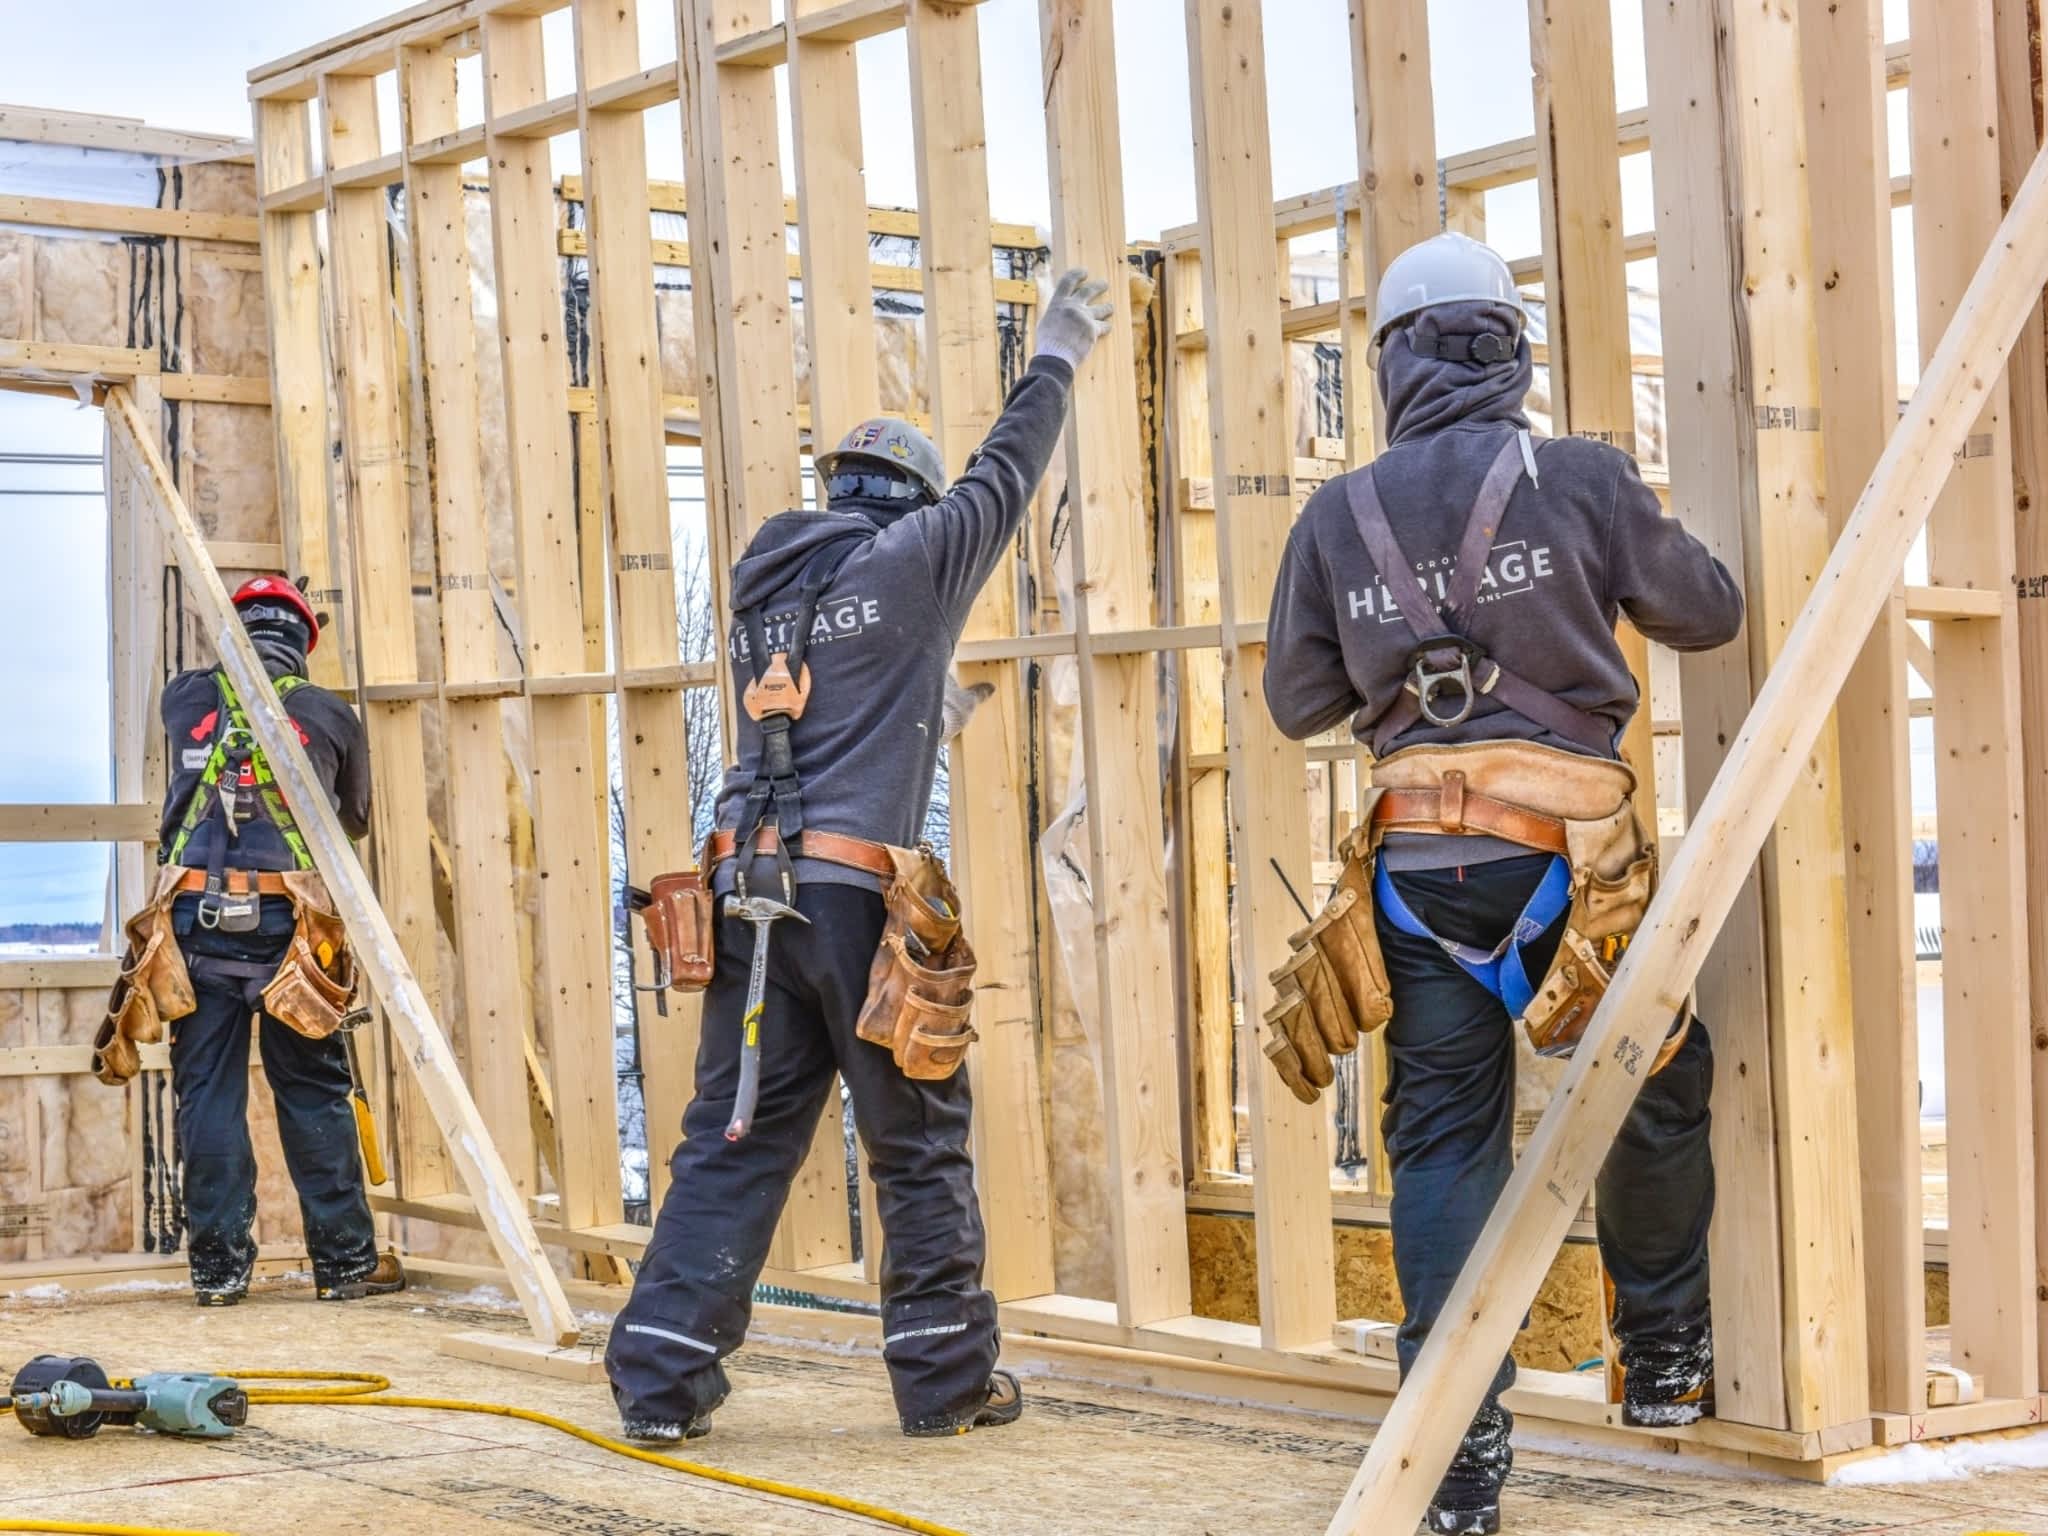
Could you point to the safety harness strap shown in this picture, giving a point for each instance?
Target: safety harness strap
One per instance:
(1499, 970)
(1443, 655)
(776, 790)
(234, 744)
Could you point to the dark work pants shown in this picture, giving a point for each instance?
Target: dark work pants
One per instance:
(309, 1081)
(694, 1291)
(1449, 1124)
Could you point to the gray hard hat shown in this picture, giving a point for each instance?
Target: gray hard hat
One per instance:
(890, 443)
(1445, 269)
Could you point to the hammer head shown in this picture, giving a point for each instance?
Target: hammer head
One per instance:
(760, 910)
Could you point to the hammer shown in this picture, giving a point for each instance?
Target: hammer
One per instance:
(762, 912)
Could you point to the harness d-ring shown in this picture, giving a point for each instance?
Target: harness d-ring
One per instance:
(1426, 678)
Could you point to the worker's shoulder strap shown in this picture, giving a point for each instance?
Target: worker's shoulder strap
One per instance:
(1440, 626)
(817, 577)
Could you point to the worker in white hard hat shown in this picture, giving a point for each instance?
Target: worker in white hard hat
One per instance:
(1456, 601)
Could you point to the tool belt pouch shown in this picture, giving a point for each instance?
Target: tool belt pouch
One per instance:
(306, 996)
(680, 928)
(1614, 873)
(921, 985)
(1333, 987)
(153, 989)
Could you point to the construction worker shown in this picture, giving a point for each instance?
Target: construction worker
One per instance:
(846, 619)
(1456, 600)
(238, 887)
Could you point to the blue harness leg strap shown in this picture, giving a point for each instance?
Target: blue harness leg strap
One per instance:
(1500, 971)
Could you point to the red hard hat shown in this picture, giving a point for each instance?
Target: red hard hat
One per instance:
(276, 589)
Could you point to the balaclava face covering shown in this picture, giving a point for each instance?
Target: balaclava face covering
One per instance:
(1427, 394)
(280, 637)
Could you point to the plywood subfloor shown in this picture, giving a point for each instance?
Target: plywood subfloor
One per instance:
(1086, 1459)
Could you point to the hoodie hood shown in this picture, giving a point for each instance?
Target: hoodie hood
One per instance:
(778, 553)
(1427, 394)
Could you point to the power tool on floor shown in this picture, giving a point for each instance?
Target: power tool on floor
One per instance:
(72, 1398)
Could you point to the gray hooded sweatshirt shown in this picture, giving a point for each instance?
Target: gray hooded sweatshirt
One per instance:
(1585, 544)
(883, 635)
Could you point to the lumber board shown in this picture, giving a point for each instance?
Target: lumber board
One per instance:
(1204, 819)
(1953, 111)
(378, 952)
(1585, 276)
(298, 382)
(1252, 449)
(2019, 57)
(485, 928)
(1842, 49)
(1786, 537)
(992, 842)
(1134, 1002)
(744, 329)
(78, 823)
(370, 397)
(1395, 117)
(39, 125)
(582, 1363)
(570, 844)
(1709, 415)
(839, 324)
(126, 219)
(1415, 1444)
(633, 458)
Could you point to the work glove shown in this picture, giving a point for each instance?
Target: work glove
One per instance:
(1074, 318)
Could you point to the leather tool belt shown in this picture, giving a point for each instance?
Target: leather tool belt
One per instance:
(1334, 985)
(920, 987)
(312, 990)
(877, 859)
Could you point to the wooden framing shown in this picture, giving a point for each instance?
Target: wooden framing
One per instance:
(1766, 127)
(486, 924)
(1422, 1431)
(378, 950)
(987, 762)
(1953, 107)
(360, 303)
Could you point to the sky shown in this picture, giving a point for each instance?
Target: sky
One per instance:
(183, 64)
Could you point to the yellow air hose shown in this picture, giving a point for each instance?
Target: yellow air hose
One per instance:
(361, 1389)
(87, 1528)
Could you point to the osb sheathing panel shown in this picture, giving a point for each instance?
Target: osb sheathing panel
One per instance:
(1086, 1457)
(1564, 1322)
(64, 1147)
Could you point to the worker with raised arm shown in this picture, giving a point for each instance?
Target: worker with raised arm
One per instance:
(830, 940)
(242, 927)
(1456, 600)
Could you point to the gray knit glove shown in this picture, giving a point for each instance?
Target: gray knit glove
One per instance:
(1074, 318)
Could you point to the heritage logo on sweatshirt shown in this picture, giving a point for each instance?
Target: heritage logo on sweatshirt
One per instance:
(837, 618)
(1511, 568)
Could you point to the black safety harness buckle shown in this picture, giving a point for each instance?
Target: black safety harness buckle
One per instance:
(1444, 662)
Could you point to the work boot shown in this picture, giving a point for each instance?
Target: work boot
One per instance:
(214, 1285)
(664, 1431)
(1668, 1382)
(1467, 1501)
(1004, 1404)
(387, 1278)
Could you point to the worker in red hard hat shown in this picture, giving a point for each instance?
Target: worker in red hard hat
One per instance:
(257, 938)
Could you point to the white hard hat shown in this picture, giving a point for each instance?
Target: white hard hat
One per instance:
(1445, 269)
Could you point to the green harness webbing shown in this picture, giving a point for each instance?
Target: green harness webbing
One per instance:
(232, 738)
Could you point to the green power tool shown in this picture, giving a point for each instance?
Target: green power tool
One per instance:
(72, 1398)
